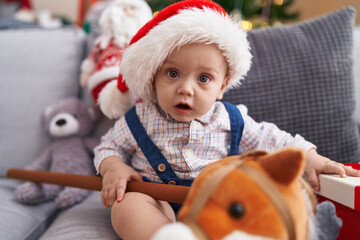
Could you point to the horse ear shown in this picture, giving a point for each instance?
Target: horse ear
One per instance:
(284, 166)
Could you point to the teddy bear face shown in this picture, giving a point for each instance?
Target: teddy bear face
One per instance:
(69, 117)
(64, 124)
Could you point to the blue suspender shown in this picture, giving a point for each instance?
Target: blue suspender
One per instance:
(236, 127)
(147, 146)
(157, 160)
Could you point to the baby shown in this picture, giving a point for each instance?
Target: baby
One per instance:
(180, 63)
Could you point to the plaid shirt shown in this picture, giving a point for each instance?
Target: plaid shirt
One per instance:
(190, 146)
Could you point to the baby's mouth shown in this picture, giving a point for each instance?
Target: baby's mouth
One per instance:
(183, 106)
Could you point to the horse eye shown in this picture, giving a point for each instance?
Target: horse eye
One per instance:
(236, 210)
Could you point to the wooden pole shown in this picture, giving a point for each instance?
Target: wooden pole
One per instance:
(165, 192)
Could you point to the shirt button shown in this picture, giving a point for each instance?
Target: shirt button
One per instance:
(188, 153)
(172, 182)
(161, 167)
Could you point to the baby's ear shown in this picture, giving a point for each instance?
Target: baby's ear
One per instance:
(94, 112)
(223, 87)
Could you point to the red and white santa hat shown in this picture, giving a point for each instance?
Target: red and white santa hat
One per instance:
(185, 22)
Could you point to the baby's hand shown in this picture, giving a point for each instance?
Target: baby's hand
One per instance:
(317, 164)
(115, 174)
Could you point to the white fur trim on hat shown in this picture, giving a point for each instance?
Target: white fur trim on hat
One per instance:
(193, 25)
(105, 74)
(114, 104)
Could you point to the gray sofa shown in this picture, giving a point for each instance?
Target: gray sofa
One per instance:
(305, 78)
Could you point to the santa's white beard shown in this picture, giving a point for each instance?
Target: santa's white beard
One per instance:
(126, 27)
(119, 26)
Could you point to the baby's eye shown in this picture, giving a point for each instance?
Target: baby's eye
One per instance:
(172, 74)
(203, 78)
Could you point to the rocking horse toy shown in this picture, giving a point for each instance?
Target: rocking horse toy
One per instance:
(253, 196)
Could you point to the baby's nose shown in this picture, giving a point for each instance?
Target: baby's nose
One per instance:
(186, 88)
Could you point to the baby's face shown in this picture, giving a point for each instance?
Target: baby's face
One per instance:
(190, 80)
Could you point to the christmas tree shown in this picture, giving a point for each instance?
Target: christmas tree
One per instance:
(254, 13)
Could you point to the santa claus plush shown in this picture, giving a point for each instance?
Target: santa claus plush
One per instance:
(119, 22)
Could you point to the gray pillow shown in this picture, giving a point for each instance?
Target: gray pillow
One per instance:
(38, 67)
(356, 70)
(302, 80)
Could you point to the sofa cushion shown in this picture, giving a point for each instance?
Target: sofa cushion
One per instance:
(38, 67)
(87, 220)
(20, 221)
(302, 80)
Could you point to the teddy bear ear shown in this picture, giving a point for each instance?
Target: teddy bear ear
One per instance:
(284, 166)
(94, 113)
(48, 110)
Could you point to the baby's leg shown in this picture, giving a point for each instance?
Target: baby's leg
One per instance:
(138, 216)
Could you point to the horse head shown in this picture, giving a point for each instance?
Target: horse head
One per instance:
(252, 196)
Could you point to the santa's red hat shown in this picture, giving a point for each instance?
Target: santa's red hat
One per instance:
(185, 22)
(105, 69)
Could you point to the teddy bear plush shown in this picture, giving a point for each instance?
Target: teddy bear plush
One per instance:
(69, 123)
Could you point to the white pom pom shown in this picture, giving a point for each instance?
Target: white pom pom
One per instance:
(175, 231)
(113, 103)
(87, 65)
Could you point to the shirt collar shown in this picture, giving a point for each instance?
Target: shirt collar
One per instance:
(206, 118)
(163, 113)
